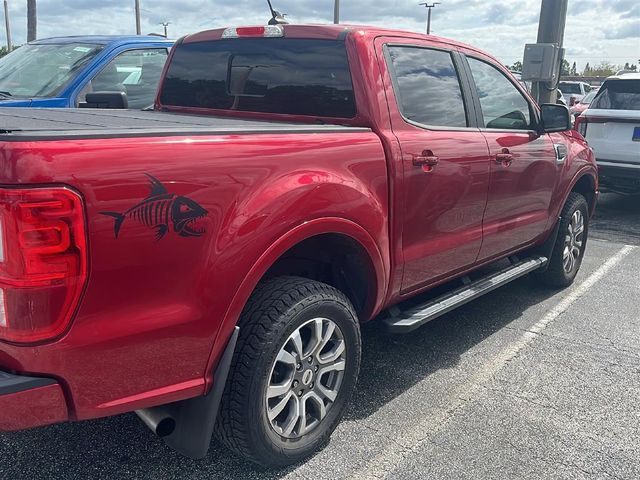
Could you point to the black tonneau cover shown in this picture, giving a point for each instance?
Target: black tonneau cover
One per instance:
(28, 124)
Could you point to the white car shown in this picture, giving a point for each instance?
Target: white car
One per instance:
(574, 91)
(611, 125)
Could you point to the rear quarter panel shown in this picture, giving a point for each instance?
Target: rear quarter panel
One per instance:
(152, 310)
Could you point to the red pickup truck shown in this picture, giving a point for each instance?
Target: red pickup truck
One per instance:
(207, 264)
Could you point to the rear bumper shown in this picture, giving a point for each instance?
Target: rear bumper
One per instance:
(27, 402)
(619, 176)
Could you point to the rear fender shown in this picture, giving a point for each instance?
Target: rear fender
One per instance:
(283, 244)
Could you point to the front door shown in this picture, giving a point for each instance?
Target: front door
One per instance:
(523, 163)
(444, 161)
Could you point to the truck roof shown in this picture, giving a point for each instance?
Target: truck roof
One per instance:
(102, 39)
(330, 32)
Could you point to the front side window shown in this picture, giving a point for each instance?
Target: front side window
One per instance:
(427, 86)
(619, 94)
(503, 106)
(42, 70)
(134, 72)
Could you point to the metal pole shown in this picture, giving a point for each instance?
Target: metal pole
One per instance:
(553, 17)
(32, 20)
(336, 12)
(138, 29)
(429, 7)
(7, 25)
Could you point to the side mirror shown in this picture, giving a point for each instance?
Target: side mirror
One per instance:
(554, 118)
(112, 100)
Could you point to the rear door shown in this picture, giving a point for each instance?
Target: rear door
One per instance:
(523, 163)
(444, 160)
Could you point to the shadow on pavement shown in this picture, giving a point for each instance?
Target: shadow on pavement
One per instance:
(617, 219)
(121, 447)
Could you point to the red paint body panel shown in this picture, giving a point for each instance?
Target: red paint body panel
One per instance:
(167, 299)
(31, 408)
(172, 304)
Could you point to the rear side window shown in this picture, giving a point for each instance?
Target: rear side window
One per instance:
(427, 86)
(618, 95)
(275, 75)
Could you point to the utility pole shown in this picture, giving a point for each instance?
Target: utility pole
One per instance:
(336, 12)
(138, 29)
(166, 31)
(32, 21)
(553, 17)
(7, 26)
(429, 7)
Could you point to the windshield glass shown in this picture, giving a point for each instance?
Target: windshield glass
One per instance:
(568, 88)
(42, 70)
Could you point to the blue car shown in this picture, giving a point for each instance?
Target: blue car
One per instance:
(60, 72)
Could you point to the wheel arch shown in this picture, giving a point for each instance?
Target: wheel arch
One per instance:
(586, 184)
(315, 239)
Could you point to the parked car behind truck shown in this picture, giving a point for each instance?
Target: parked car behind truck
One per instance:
(208, 264)
(611, 125)
(60, 72)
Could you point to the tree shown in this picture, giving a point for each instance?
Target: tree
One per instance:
(516, 67)
(574, 69)
(32, 20)
(587, 69)
(604, 69)
(565, 69)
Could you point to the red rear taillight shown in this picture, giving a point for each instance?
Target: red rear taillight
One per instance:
(43, 262)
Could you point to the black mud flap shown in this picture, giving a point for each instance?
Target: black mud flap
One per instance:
(546, 249)
(195, 418)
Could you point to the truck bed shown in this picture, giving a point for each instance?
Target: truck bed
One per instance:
(22, 124)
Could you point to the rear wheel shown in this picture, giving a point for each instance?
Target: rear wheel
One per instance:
(570, 245)
(294, 370)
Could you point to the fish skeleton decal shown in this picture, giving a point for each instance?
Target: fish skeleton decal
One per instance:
(162, 209)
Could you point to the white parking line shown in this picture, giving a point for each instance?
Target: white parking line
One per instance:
(409, 441)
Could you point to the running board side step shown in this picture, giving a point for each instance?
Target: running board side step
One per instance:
(408, 320)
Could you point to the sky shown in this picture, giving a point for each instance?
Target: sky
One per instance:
(596, 30)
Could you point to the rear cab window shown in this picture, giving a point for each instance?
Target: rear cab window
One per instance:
(618, 94)
(307, 77)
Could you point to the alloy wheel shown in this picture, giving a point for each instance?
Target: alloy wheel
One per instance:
(305, 378)
(574, 240)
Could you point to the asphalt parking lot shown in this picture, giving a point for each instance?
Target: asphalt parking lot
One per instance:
(523, 383)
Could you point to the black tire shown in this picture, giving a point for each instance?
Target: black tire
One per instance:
(276, 309)
(557, 276)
